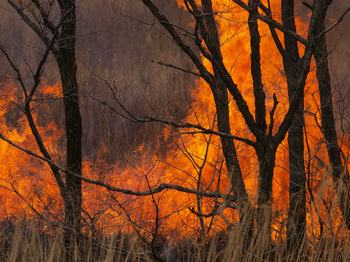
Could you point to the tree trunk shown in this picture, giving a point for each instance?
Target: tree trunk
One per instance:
(266, 156)
(228, 146)
(339, 172)
(233, 168)
(67, 65)
(63, 47)
(208, 42)
(296, 225)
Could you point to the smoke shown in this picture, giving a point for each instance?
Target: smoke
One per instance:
(116, 41)
(339, 62)
(338, 42)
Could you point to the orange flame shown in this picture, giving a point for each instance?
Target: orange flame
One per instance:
(193, 160)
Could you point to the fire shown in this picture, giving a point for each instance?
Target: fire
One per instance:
(22, 176)
(194, 160)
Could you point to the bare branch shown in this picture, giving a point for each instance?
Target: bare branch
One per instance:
(202, 129)
(44, 16)
(147, 119)
(304, 70)
(185, 48)
(55, 168)
(341, 18)
(176, 67)
(274, 23)
(39, 69)
(267, 11)
(14, 190)
(29, 22)
(155, 190)
(308, 5)
(15, 68)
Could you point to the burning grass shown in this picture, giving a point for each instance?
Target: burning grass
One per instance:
(172, 226)
(30, 241)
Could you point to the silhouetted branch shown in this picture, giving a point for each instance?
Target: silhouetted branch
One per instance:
(155, 190)
(202, 129)
(147, 119)
(341, 18)
(176, 67)
(274, 23)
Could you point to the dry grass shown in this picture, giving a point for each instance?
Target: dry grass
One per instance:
(25, 242)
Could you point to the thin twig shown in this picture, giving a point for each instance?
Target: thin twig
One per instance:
(155, 190)
(341, 18)
(176, 67)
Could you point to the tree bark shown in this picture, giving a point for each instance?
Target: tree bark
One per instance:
(296, 225)
(63, 47)
(66, 61)
(339, 171)
(232, 163)
(228, 146)
(207, 40)
(266, 157)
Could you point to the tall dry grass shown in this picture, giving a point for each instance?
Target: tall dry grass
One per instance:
(24, 241)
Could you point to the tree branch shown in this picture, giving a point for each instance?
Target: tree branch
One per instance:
(304, 70)
(176, 37)
(156, 190)
(29, 22)
(274, 23)
(176, 67)
(341, 18)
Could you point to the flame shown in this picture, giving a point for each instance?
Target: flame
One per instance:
(21, 173)
(193, 160)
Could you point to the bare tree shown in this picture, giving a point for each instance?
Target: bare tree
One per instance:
(206, 38)
(60, 39)
(297, 203)
(205, 51)
(340, 173)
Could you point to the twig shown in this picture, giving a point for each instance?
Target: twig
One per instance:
(176, 67)
(158, 189)
(341, 18)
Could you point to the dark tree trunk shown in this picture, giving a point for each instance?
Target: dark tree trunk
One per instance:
(266, 157)
(228, 146)
(67, 65)
(63, 47)
(208, 43)
(297, 203)
(339, 171)
(265, 149)
(220, 92)
(231, 160)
